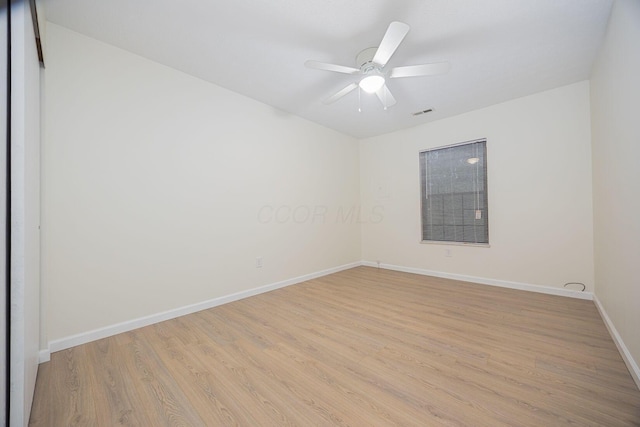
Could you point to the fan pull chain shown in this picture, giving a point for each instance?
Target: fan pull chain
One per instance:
(385, 100)
(359, 100)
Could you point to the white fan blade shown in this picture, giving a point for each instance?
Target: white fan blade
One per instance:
(340, 93)
(390, 42)
(420, 70)
(384, 95)
(331, 67)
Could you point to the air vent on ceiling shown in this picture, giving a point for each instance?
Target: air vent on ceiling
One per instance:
(422, 112)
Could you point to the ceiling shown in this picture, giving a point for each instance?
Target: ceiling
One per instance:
(498, 49)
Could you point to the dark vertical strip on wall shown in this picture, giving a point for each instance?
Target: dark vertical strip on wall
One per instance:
(7, 361)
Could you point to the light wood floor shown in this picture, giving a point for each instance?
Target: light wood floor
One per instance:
(364, 347)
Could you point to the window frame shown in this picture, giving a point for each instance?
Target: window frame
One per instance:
(422, 198)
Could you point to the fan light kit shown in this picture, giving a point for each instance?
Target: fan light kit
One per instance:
(372, 62)
(372, 83)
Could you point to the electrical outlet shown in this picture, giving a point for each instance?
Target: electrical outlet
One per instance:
(259, 262)
(447, 253)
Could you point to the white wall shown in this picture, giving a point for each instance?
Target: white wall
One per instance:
(539, 179)
(25, 213)
(160, 190)
(615, 89)
(4, 75)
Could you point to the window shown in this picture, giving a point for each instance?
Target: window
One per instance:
(453, 182)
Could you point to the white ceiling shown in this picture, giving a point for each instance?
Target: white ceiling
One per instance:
(498, 49)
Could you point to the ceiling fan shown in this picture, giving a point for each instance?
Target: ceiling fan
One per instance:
(372, 62)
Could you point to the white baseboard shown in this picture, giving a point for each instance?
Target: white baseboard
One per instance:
(107, 331)
(484, 281)
(96, 334)
(44, 356)
(85, 337)
(622, 348)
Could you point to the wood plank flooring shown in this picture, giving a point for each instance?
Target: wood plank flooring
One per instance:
(364, 347)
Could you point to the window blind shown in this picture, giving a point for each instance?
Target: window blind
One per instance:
(454, 193)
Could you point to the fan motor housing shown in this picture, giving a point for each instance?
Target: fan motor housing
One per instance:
(364, 59)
